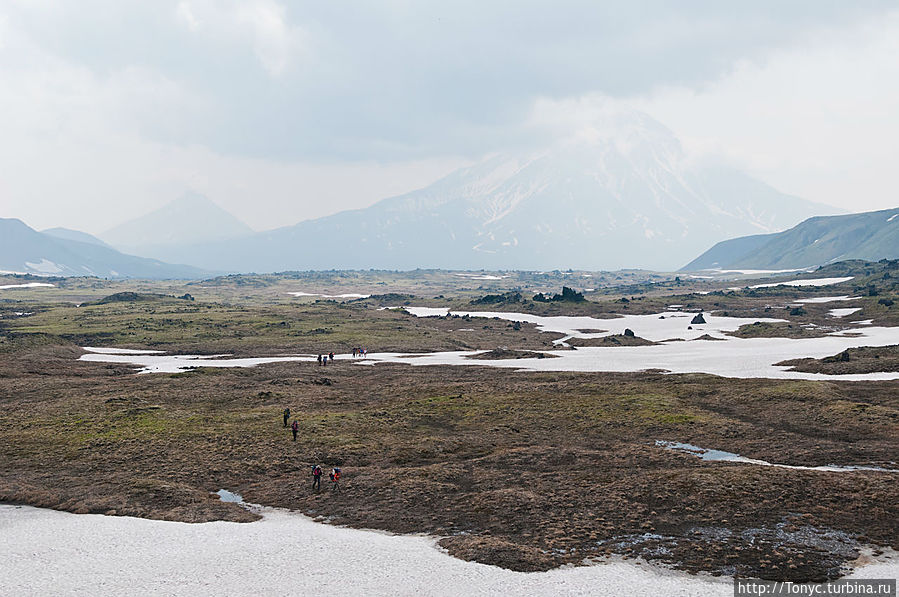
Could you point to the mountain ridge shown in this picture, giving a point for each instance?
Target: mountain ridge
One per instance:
(25, 250)
(815, 241)
(623, 195)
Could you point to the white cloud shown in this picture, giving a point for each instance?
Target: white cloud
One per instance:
(261, 24)
(186, 16)
(817, 119)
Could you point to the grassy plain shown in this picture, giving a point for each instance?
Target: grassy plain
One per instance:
(521, 469)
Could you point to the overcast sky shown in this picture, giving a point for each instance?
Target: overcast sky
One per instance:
(284, 111)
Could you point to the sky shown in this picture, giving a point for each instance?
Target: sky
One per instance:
(286, 111)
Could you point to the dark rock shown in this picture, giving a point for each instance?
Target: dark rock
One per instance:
(698, 319)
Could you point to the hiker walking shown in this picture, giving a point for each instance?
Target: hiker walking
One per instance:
(295, 427)
(331, 356)
(334, 475)
(355, 350)
(316, 477)
(319, 360)
(286, 415)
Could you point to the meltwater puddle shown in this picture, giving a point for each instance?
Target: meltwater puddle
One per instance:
(722, 456)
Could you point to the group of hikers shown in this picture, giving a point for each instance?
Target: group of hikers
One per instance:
(334, 475)
(317, 470)
(324, 359)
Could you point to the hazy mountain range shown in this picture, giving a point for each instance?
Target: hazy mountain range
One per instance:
(190, 219)
(63, 252)
(872, 236)
(622, 196)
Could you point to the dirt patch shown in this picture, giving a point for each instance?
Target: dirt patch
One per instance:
(865, 359)
(505, 353)
(613, 340)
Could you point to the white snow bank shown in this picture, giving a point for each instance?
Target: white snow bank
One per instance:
(727, 357)
(154, 361)
(828, 299)
(100, 350)
(656, 327)
(809, 282)
(340, 296)
(843, 312)
(27, 285)
(480, 276)
(722, 456)
(45, 552)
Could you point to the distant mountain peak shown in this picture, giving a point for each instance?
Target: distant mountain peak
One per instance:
(190, 219)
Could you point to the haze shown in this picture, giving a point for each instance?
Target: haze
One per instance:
(282, 112)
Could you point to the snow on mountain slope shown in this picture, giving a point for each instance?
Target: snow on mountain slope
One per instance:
(620, 195)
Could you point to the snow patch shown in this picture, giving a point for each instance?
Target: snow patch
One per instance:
(843, 312)
(348, 295)
(92, 554)
(722, 456)
(44, 266)
(795, 283)
(828, 299)
(28, 285)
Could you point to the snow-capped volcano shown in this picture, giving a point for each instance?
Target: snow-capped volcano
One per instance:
(620, 195)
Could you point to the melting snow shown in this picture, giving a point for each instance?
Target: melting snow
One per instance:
(809, 282)
(828, 299)
(286, 553)
(679, 350)
(674, 325)
(153, 361)
(45, 266)
(348, 295)
(27, 285)
(728, 357)
(722, 456)
(843, 312)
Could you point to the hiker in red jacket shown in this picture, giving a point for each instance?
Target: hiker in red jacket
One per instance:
(317, 477)
(295, 427)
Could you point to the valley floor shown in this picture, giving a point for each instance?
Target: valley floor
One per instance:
(526, 470)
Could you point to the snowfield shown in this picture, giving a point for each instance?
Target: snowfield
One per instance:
(154, 361)
(348, 295)
(27, 285)
(45, 552)
(683, 348)
(796, 283)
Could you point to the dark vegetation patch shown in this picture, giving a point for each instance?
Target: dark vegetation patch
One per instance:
(506, 353)
(764, 329)
(865, 359)
(611, 340)
(129, 297)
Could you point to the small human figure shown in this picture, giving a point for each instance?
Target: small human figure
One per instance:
(354, 352)
(316, 477)
(295, 427)
(331, 356)
(319, 360)
(286, 415)
(334, 475)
